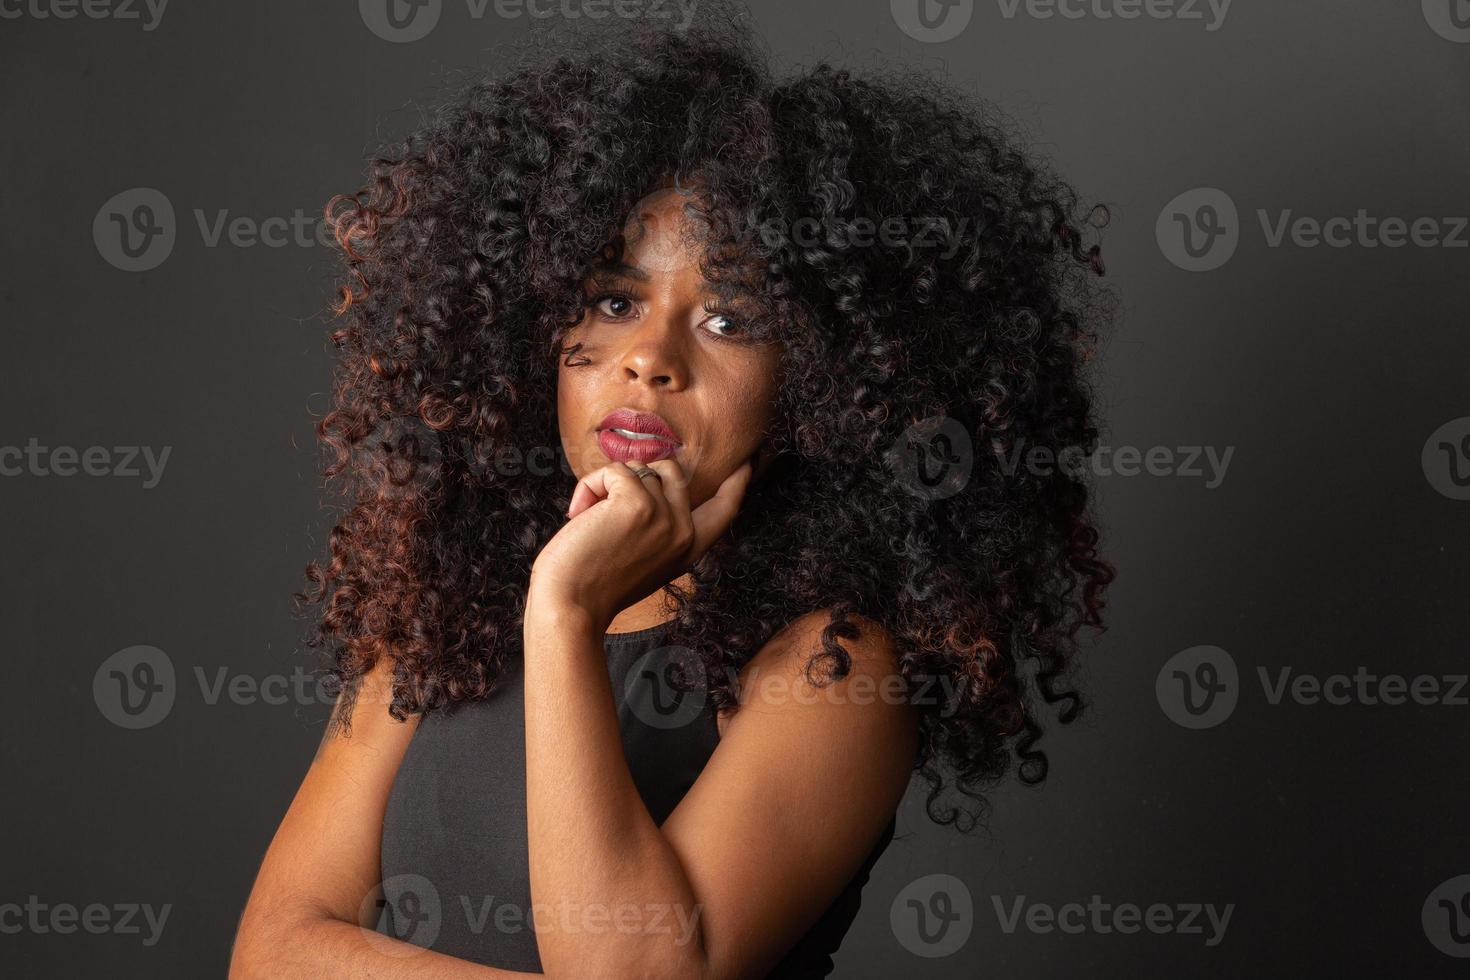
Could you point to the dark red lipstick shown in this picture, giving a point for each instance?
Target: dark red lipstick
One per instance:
(644, 437)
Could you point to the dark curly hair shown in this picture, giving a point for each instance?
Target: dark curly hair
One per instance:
(466, 253)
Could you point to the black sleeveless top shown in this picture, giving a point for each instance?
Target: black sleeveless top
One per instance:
(455, 860)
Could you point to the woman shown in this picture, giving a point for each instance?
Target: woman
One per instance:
(650, 710)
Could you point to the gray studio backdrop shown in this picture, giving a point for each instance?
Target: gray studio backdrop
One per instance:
(1272, 780)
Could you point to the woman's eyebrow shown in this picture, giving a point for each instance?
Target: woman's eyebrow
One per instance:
(604, 271)
(622, 269)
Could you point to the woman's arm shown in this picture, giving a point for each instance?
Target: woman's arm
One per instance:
(315, 901)
(783, 815)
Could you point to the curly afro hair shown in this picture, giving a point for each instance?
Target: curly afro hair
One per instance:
(936, 306)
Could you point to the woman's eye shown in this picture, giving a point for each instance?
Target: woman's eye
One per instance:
(724, 326)
(614, 305)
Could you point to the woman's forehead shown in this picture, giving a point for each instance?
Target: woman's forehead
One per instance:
(665, 231)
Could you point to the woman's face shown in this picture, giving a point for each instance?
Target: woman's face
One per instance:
(656, 339)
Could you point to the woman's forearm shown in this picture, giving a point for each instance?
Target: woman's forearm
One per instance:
(617, 900)
(316, 947)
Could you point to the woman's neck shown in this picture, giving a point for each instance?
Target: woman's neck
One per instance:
(649, 611)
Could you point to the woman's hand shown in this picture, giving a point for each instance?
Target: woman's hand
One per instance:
(628, 536)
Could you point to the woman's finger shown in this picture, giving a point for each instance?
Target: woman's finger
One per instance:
(589, 490)
(713, 517)
(674, 483)
(602, 483)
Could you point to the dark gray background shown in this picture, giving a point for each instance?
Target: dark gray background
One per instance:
(1327, 546)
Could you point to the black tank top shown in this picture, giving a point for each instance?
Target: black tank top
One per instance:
(455, 862)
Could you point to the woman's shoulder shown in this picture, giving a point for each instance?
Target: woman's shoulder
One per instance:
(785, 663)
(870, 644)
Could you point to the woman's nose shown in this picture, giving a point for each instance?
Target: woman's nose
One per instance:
(655, 351)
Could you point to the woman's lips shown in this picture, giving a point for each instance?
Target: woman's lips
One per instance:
(626, 435)
(644, 423)
(623, 449)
